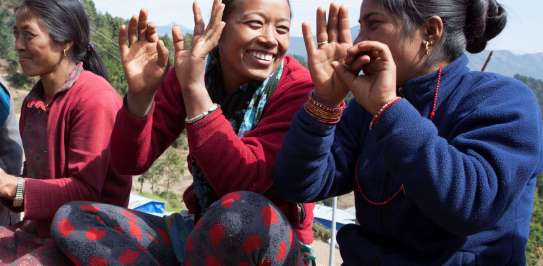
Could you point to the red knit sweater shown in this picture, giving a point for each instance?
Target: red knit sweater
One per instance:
(67, 149)
(229, 163)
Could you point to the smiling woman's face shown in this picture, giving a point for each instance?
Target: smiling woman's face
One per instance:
(38, 53)
(254, 41)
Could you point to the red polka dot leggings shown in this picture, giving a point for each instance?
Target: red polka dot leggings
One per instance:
(242, 228)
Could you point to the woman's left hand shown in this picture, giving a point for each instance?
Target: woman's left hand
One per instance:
(377, 86)
(190, 63)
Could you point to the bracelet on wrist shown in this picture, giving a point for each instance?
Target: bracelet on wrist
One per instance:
(383, 108)
(324, 113)
(201, 116)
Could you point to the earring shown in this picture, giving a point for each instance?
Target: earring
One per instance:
(65, 53)
(427, 46)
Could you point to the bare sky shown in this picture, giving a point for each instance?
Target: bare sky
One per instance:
(523, 33)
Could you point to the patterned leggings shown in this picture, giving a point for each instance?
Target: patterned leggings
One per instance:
(242, 228)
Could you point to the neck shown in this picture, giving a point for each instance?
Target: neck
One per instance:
(52, 82)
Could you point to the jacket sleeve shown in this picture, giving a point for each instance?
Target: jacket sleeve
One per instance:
(231, 163)
(317, 161)
(466, 182)
(11, 151)
(137, 142)
(88, 158)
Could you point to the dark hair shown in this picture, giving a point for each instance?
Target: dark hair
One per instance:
(229, 6)
(468, 24)
(66, 21)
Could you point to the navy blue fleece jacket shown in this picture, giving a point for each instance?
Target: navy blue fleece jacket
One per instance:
(455, 190)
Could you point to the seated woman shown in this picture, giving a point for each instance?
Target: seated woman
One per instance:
(442, 160)
(232, 147)
(66, 124)
(11, 150)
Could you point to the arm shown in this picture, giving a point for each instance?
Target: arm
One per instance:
(231, 163)
(88, 158)
(317, 160)
(467, 182)
(136, 142)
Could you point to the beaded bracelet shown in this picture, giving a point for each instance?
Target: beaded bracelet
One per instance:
(324, 113)
(379, 113)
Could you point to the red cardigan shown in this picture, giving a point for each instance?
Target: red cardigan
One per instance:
(230, 163)
(67, 146)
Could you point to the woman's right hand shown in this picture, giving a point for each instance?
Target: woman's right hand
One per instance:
(334, 38)
(145, 61)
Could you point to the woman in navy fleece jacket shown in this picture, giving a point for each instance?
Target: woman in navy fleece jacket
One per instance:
(442, 160)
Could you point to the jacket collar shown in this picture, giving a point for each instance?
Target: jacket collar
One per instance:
(420, 91)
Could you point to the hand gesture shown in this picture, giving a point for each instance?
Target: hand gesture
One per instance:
(378, 84)
(334, 38)
(144, 58)
(190, 64)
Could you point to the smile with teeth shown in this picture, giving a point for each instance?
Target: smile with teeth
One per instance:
(262, 55)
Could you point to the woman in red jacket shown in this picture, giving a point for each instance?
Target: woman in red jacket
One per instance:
(236, 108)
(66, 124)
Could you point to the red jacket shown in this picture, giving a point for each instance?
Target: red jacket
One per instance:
(229, 163)
(67, 149)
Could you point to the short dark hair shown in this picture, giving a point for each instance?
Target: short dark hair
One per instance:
(66, 21)
(468, 24)
(229, 6)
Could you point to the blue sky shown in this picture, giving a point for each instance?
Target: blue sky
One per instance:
(519, 35)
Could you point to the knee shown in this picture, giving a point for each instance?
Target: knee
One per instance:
(62, 225)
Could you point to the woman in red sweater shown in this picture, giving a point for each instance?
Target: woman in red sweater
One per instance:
(66, 124)
(232, 147)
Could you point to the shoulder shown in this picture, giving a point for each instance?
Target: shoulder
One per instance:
(490, 90)
(91, 90)
(295, 80)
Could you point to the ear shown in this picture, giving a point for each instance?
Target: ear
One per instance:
(68, 46)
(433, 29)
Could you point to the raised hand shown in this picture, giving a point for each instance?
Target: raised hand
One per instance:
(378, 84)
(190, 63)
(334, 38)
(145, 59)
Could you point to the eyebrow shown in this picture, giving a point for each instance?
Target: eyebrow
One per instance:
(367, 16)
(262, 14)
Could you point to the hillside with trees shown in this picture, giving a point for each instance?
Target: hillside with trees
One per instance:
(171, 167)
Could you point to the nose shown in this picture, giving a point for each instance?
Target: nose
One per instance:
(19, 43)
(362, 36)
(268, 37)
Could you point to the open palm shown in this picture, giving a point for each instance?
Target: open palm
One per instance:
(143, 55)
(334, 38)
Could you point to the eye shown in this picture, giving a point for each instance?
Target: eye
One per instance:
(255, 24)
(283, 29)
(373, 24)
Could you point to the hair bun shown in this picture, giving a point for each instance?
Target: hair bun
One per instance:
(485, 19)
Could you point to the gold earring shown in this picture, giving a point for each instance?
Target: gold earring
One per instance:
(65, 53)
(427, 46)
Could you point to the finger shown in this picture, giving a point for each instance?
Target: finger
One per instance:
(212, 41)
(199, 25)
(359, 63)
(308, 40)
(375, 50)
(133, 30)
(123, 44)
(322, 35)
(151, 34)
(216, 14)
(344, 74)
(142, 24)
(344, 34)
(162, 54)
(332, 27)
(214, 27)
(178, 39)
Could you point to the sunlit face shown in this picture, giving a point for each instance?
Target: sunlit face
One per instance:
(255, 39)
(38, 53)
(376, 24)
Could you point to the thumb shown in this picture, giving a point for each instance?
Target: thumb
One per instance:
(347, 77)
